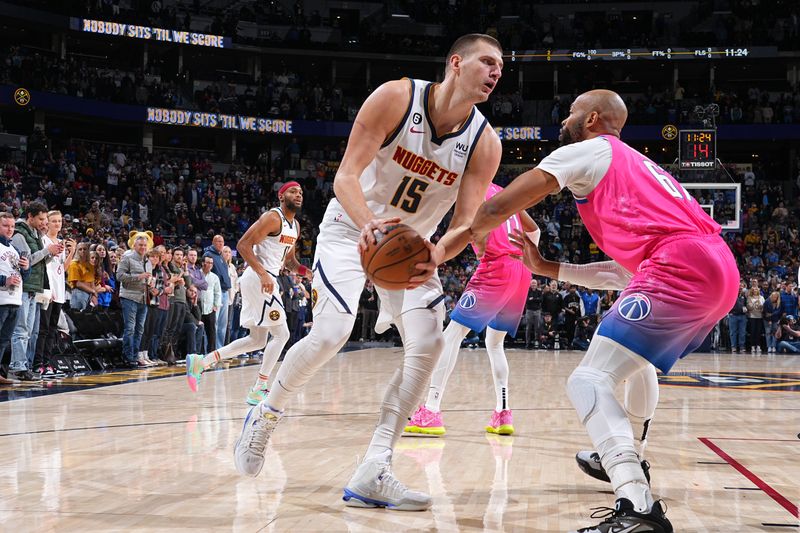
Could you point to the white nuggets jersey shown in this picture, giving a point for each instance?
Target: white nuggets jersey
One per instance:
(416, 174)
(273, 249)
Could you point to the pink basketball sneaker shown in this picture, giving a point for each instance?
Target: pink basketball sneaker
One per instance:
(426, 422)
(502, 423)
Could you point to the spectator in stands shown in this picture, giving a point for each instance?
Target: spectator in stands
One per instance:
(788, 299)
(533, 314)
(220, 269)
(591, 304)
(210, 301)
(755, 316)
(772, 315)
(179, 280)
(28, 240)
(233, 292)
(547, 335)
(103, 289)
(132, 295)
(552, 301)
(195, 271)
(572, 312)
(56, 278)
(193, 323)
(302, 296)
(369, 312)
(584, 329)
(81, 277)
(788, 337)
(157, 309)
(12, 269)
(737, 320)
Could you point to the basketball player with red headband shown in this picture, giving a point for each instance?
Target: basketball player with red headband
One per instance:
(267, 247)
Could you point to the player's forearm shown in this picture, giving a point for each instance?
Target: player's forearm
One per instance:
(454, 241)
(608, 275)
(351, 196)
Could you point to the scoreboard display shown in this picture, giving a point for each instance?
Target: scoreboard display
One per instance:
(698, 149)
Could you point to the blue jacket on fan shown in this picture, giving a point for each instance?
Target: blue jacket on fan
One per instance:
(220, 267)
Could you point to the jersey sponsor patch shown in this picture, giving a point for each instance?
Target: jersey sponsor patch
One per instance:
(468, 300)
(758, 381)
(635, 307)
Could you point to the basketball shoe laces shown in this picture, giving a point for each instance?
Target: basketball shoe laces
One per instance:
(264, 426)
(388, 485)
(610, 513)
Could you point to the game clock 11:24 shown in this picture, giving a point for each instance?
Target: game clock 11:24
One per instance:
(698, 149)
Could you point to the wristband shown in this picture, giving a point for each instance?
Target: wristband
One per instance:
(302, 270)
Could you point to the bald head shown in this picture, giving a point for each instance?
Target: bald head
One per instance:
(594, 113)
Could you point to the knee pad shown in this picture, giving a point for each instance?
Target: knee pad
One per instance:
(583, 390)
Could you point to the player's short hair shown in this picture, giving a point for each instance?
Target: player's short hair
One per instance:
(464, 44)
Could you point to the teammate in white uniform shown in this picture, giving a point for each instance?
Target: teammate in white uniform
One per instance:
(409, 162)
(267, 247)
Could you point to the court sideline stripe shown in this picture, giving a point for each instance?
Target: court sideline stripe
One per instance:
(757, 481)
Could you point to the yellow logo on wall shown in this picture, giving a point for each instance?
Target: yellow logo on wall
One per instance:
(22, 96)
(669, 132)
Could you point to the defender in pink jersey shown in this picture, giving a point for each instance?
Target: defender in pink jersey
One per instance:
(643, 219)
(493, 300)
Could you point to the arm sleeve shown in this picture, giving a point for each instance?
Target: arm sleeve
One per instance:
(604, 275)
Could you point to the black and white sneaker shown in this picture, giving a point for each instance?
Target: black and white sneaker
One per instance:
(624, 519)
(589, 462)
(24, 375)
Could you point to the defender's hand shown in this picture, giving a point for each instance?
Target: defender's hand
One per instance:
(427, 269)
(368, 231)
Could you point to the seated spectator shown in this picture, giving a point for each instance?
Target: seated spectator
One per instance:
(82, 279)
(583, 333)
(788, 336)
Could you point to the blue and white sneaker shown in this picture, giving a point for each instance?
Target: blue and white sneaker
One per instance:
(374, 485)
(250, 449)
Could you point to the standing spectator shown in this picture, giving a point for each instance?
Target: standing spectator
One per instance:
(220, 269)
(27, 239)
(10, 291)
(572, 312)
(81, 279)
(737, 320)
(179, 280)
(533, 314)
(607, 301)
(301, 298)
(788, 299)
(369, 312)
(193, 323)
(157, 308)
(755, 318)
(132, 296)
(552, 302)
(591, 304)
(56, 272)
(210, 301)
(195, 271)
(106, 285)
(227, 255)
(772, 314)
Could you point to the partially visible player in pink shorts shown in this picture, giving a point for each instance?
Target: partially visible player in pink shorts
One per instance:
(684, 280)
(494, 299)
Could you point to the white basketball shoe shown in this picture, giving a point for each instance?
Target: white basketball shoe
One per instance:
(250, 449)
(374, 485)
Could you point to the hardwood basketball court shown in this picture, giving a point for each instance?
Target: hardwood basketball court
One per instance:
(148, 455)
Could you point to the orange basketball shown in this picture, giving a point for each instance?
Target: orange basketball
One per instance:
(391, 263)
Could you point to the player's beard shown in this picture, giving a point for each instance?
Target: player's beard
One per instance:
(293, 206)
(568, 136)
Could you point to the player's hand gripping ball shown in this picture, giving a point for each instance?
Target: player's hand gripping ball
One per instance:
(391, 263)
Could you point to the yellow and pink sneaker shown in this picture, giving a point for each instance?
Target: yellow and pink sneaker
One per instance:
(502, 423)
(426, 422)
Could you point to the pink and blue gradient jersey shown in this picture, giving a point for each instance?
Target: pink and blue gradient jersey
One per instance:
(636, 205)
(495, 295)
(497, 242)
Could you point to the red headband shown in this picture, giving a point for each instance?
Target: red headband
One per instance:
(287, 185)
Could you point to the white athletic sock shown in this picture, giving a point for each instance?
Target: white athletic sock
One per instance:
(255, 340)
(499, 363)
(272, 352)
(454, 333)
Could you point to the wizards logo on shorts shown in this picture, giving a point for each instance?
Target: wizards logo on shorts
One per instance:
(468, 300)
(635, 307)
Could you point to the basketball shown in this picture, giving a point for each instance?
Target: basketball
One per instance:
(390, 263)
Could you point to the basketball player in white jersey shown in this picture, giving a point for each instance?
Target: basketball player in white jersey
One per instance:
(415, 149)
(267, 246)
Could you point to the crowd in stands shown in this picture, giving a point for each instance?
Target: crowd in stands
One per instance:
(195, 207)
